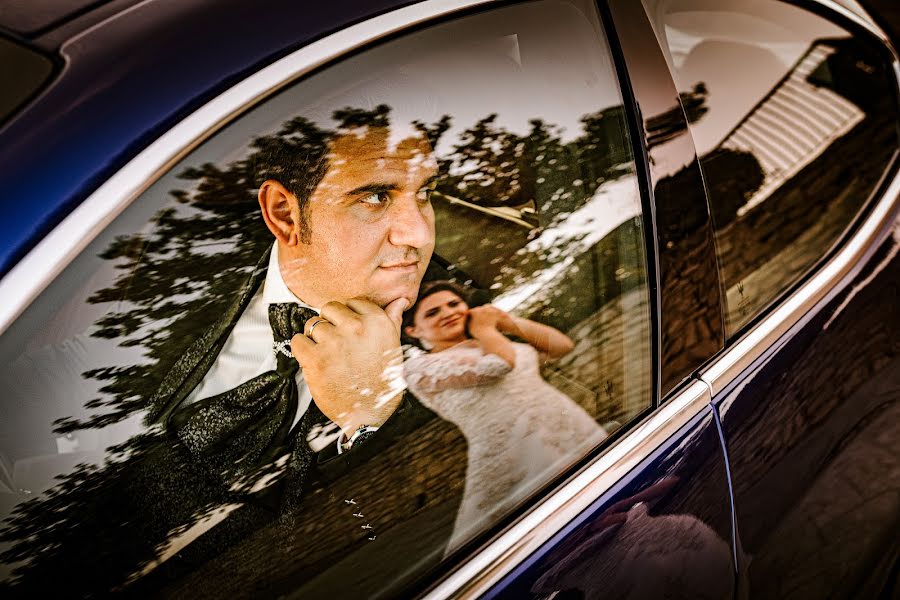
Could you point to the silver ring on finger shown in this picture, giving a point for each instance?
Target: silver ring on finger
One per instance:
(312, 328)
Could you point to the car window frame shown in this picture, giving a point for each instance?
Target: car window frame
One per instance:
(644, 62)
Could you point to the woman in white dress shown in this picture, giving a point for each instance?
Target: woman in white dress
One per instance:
(520, 430)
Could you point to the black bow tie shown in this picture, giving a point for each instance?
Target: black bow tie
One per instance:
(244, 435)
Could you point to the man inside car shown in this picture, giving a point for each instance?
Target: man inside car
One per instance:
(353, 247)
(307, 365)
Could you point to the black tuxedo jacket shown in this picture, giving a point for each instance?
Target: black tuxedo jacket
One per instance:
(406, 481)
(157, 519)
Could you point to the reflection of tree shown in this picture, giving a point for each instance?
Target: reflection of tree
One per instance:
(99, 525)
(497, 165)
(667, 126)
(492, 166)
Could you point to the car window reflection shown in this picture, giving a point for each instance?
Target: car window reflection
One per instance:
(792, 150)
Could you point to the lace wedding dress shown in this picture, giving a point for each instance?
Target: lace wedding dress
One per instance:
(520, 430)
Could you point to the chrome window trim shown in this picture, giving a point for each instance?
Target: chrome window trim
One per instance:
(493, 561)
(863, 20)
(34, 272)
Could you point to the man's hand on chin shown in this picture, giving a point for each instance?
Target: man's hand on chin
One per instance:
(352, 361)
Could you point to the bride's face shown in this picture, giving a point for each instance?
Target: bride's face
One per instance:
(440, 318)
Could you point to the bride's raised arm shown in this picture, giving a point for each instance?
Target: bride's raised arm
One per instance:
(549, 341)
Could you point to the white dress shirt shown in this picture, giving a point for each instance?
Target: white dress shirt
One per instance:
(248, 351)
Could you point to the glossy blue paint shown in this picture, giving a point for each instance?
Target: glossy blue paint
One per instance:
(126, 81)
(811, 430)
(736, 542)
(663, 531)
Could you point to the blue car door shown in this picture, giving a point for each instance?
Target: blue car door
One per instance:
(812, 428)
(798, 156)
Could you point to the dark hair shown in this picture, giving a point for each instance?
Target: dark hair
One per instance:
(297, 156)
(431, 288)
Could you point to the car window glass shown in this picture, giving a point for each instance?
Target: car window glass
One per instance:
(159, 433)
(791, 148)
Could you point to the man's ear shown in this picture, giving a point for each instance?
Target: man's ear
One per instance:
(281, 212)
(410, 331)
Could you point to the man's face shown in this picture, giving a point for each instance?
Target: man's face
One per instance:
(371, 222)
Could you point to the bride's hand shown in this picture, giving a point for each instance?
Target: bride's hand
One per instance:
(484, 322)
(500, 320)
(484, 319)
(507, 324)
